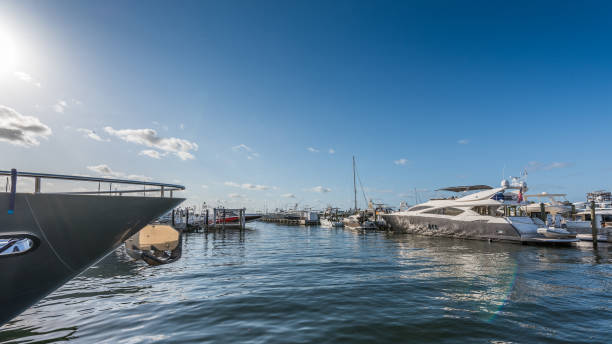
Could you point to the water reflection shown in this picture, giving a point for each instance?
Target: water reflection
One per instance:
(279, 284)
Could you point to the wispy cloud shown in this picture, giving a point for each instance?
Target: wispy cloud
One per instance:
(251, 154)
(331, 151)
(247, 186)
(148, 137)
(204, 186)
(91, 134)
(320, 189)
(401, 161)
(152, 153)
(106, 172)
(242, 147)
(21, 130)
(60, 106)
(463, 141)
(27, 78)
(288, 195)
(235, 195)
(312, 150)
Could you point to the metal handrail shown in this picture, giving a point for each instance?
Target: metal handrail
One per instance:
(38, 176)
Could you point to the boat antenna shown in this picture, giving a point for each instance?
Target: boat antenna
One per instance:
(354, 183)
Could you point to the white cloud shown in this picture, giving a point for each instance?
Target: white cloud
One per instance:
(204, 186)
(242, 147)
(312, 150)
(152, 153)
(320, 189)
(60, 106)
(251, 154)
(91, 134)
(331, 151)
(27, 78)
(106, 172)
(247, 186)
(463, 141)
(235, 195)
(401, 161)
(21, 130)
(288, 195)
(149, 138)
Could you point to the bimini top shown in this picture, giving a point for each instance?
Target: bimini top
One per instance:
(466, 188)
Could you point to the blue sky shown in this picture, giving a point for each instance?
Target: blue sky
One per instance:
(227, 97)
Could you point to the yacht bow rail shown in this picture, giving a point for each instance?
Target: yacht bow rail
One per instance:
(161, 187)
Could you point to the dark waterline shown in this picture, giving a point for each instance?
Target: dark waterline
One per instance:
(279, 284)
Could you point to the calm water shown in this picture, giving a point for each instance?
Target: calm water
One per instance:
(278, 284)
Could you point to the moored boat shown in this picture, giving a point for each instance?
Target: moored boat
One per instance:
(49, 238)
(155, 244)
(493, 214)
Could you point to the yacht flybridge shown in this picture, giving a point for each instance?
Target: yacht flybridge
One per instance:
(489, 214)
(46, 239)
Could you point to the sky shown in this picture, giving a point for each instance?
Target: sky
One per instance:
(263, 104)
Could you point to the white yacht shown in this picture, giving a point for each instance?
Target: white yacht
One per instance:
(489, 214)
(330, 218)
(329, 223)
(581, 220)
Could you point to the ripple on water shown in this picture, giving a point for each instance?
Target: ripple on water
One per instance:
(279, 284)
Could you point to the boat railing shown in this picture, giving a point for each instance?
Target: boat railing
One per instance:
(163, 189)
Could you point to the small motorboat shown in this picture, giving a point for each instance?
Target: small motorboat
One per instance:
(358, 222)
(156, 244)
(327, 223)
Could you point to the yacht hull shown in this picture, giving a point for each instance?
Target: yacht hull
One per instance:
(433, 226)
(511, 229)
(71, 233)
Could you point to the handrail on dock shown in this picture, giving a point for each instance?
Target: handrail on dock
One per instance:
(162, 187)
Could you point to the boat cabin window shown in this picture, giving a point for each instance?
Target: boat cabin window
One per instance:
(487, 211)
(417, 208)
(445, 211)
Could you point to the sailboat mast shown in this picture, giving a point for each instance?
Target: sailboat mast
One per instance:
(354, 183)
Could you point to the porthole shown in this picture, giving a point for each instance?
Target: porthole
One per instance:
(12, 245)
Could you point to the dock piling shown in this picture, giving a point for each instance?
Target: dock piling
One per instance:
(593, 225)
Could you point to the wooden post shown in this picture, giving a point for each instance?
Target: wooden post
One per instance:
(543, 212)
(242, 218)
(573, 212)
(186, 218)
(214, 218)
(162, 192)
(173, 223)
(206, 219)
(593, 224)
(223, 225)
